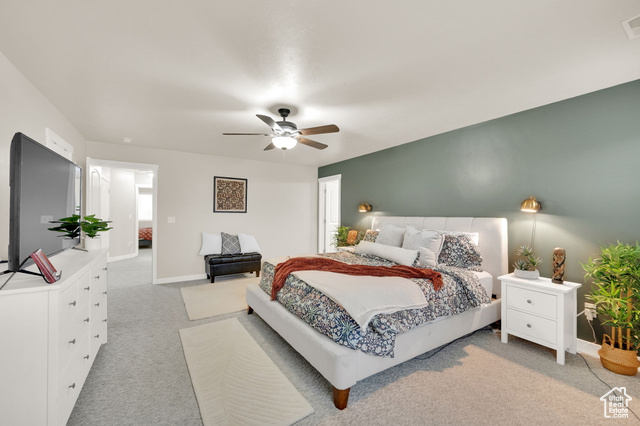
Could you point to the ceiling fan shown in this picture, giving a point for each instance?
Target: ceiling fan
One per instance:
(286, 134)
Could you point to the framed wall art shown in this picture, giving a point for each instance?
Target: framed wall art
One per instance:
(229, 195)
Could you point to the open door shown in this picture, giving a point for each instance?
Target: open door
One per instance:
(329, 212)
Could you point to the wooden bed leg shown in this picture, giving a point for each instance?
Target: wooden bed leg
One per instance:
(249, 310)
(340, 398)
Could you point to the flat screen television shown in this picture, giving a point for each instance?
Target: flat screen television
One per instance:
(45, 187)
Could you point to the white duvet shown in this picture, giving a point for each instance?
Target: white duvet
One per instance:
(364, 297)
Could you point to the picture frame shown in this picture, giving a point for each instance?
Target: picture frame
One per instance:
(43, 263)
(229, 195)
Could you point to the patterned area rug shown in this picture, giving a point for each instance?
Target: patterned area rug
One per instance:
(220, 298)
(235, 381)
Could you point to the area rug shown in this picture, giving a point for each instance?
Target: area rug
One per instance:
(235, 381)
(209, 300)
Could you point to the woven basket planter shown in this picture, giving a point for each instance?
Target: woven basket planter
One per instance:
(618, 360)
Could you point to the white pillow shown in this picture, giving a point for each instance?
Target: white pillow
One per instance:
(428, 257)
(211, 244)
(394, 254)
(429, 243)
(391, 235)
(248, 243)
(473, 235)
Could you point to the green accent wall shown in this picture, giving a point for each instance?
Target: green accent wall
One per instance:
(579, 157)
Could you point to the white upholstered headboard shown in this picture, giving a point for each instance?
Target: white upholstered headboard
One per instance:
(492, 237)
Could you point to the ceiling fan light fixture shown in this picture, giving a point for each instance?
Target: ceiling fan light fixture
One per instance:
(284, 142)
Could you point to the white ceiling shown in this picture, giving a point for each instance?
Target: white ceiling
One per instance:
(176, 75)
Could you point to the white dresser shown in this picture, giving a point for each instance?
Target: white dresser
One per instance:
(50, 335)
(541, 312)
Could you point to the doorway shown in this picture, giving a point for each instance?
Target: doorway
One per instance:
(329, 189)
(126, 194)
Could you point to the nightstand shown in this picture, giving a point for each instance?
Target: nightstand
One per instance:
(541, 312)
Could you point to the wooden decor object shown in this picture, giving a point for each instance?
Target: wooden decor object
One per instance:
(559, 255)
(351, 237)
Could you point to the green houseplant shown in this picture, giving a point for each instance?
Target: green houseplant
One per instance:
(341, 237)
(91, 225)
(71, 226)
(527, 266)
(616, 294)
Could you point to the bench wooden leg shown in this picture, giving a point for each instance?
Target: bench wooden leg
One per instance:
(249, 310)
(340, 398)
(258, 274)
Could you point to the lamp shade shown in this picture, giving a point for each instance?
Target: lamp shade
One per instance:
(284, 142)
(364, 207)
(531, 205)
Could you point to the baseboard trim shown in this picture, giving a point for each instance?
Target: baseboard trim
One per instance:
(591, 349)
(123, 257)
(179, 279)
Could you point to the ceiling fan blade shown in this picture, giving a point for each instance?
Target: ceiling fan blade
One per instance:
(233, 134)
(269, 121)
(312, 144)
(270, 147)
(329, 128)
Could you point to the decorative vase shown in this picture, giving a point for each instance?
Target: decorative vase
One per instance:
(559, 256)
(529, 275)
(618, 360)
(92, 243)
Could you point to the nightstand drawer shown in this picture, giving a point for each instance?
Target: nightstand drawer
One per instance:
(532, 301)
(531, 325)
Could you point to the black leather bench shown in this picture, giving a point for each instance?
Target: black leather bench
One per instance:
(225, 264)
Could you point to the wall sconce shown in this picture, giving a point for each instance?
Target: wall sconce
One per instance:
(531, 205)
(364, 207)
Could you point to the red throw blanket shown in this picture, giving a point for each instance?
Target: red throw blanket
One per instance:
(323, 264)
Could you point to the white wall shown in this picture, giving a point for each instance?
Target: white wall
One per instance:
(24, 109)
(122, 203)
(281, 214)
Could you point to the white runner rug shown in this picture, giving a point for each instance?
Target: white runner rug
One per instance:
(235, 381)
(209, 300)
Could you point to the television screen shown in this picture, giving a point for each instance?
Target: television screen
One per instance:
(45, 187)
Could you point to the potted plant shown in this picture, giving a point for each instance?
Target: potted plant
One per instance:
(341, 237)
(527, 267)
(616, 294)
(91, 225)
(71, 226)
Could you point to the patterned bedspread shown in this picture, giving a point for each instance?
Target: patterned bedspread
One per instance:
(461, 291)
(145, 233)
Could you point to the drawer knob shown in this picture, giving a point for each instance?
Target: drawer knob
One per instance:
(86, 356)
(86, 320)
(104, 292)
(104, 320)
(529, 301)
(529, 325)
(73, 342)
(97, 336)
(72, 303)
(73, 386)
(104, 269)
(88, 288)
(97, 277)
(97, 304)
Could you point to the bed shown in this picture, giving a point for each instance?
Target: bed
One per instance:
(343, 367)
(145, 237)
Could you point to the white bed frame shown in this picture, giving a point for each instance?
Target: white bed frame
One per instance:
(343, 367)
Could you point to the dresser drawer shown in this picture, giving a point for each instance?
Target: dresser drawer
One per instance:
(532, 326)
(532, 301)
(73, 376)
(69, 304)
(71, 335)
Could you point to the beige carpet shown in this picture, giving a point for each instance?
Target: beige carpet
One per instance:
(235, 381)
(209, 300)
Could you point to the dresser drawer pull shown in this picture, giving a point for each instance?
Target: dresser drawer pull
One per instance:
(529, 325)
(97, 304)
(104, 292)
(86, 320)
(72, 303)
(86, 357)
(73, 386)
(72, 342)
(104, 320)
(97, 336)
(104, 269)
(87, 288)
(97, 277)
(529, 301)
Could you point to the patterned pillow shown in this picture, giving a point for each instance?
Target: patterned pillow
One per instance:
(460, 251)
(370, 236)
(230, 244)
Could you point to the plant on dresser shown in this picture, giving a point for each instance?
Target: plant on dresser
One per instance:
(616, 294)
(527, 267)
